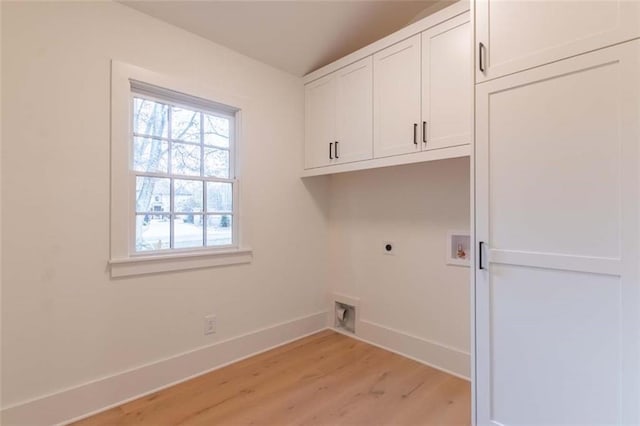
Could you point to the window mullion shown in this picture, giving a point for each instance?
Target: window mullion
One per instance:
(144, 136)
(171, 181)
(186, 177)
(204, 185)
(169, 130)
(172, 217)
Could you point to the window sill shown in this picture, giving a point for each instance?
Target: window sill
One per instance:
(140, 265)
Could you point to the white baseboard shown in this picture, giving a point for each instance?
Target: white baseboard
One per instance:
(444, 358)
(81, 401)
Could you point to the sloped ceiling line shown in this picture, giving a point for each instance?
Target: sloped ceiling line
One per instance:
(295, 36)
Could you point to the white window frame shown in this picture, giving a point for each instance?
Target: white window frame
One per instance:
(128, 81)
(171, 100)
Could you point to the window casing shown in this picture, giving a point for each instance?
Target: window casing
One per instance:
(182, 178)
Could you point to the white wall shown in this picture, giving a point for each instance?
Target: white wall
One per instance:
(412, 302)
(64, 321)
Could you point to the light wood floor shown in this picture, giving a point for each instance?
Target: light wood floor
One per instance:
(327, 379)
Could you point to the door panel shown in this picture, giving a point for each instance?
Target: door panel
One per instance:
(511, 31)
(557, 205)
(320, 120)
(396, 98)
(355, 111)
(447, 84)
(565, 158)
(555, 337)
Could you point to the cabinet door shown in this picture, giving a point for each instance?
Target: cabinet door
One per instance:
(320, 121)
(354, 112)
(396, 99)
(447, 84)
(557, 184)
(518, 35)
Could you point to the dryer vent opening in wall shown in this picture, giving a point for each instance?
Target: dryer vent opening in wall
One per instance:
(345, 317)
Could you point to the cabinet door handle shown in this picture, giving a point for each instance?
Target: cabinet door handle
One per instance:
(335, 150)
(424, 132)
(481, 50)
(415, 133)
(480, 246)
(330, 150)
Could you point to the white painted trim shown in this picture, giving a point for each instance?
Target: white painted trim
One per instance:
(437, 355)
(565, 262)
(122, 75)
(472, 222)
(139, 265)
(90, 398)
(396, 160)
(422, 25)
(343, 298)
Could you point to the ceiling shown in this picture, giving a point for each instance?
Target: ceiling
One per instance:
(294, 36)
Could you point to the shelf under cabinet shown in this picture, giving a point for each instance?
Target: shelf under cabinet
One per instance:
(396, 160)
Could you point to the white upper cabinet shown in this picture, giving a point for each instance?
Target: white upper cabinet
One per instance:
(338, 116)
(320, 121)
(513, 36)
(409, 93)
(447, 84)
(396, 99)
(423, 91)
(354, 107)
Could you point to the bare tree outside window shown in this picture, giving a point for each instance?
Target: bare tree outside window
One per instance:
(181, 159)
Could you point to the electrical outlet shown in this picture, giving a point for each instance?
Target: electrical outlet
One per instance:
(210, 324)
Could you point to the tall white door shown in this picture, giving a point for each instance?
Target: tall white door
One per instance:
(320, 121)
(354, 118)
(447, 84)
(517, 35)
(557, 221)
(396, 99)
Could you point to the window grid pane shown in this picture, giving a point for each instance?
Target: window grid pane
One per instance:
(189, 230)
(188, 196)
(150, 117)
(216, 131)
(195, 160)
(187, 159)
(219, 197)
(152, 232)
(152, 194)
(150, 155)
(186, 125)
(219, 230)
(216, 162)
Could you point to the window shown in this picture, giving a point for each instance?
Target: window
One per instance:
(175, 192)
(184, 174)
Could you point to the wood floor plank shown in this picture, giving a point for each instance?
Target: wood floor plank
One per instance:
(233, 386)
(327, 378)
